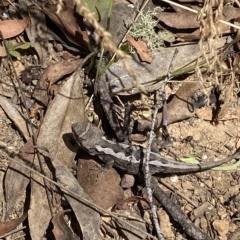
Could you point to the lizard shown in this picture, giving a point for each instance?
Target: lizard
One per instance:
(131, 159)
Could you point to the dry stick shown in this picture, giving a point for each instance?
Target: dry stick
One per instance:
(22, 96)
(172, 188)
(147, 174)
(77, 197)
(177, 214)
(195, 11)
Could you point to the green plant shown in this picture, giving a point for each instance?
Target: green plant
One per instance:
(144, 28)
(12, 48)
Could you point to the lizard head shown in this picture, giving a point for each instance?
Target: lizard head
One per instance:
(86, 134)
(80, 130)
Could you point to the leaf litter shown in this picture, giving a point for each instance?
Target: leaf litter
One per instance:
(210, 139)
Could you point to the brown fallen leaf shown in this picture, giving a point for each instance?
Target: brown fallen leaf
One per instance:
(6, 227)
(144, 53)
(61, 230)
(17, 177)
(12, 28)
(39, 205)
(186, 20)
(51, 75)
(181, 20)
(66, 108)
(89, 219)
(69, 22)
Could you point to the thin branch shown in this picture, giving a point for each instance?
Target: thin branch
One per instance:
(148, 150)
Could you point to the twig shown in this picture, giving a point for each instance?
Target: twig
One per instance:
(178, 192)
(177, 214)
(148, 151)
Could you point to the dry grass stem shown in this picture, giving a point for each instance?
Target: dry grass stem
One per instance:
(209, 17)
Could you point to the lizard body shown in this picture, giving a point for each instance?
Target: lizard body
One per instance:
(131, 159)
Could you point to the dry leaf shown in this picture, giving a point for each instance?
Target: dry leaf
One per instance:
(67, 108)
(70, 23)
(17, 177)
(88, 219)
(145, 54)
(15, 116)
(51, 75)
(12, 28)
(39, 214)
(61, 229)
(6, 227)
(182, 20)
(186, 20)
(96, 184)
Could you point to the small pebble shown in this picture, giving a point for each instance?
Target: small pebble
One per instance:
(221, 226)
(174, 178)
(127, 181)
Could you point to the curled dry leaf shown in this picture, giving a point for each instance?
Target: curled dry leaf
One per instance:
(61, 230)
(51, 75)
(70, 23)
(12, 28)
(145, 54)
(6, 227)
(67, 108)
